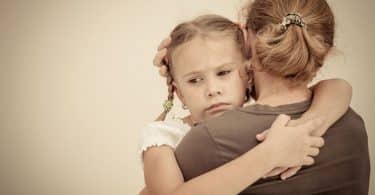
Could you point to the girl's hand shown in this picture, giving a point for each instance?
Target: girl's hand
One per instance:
(292, 146)
(160, 59)
(284, 172)
(143, 191)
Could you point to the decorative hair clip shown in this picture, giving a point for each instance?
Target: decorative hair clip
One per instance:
(292, 18)
(168, 104)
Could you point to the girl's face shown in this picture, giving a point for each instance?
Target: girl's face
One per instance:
(207, 76)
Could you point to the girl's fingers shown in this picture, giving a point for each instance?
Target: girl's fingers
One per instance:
(163, 71)
(262, 136)
(165, 43)
(308, 161)
(158, 59)
(316, 142)
(281, 121)
(290, 172)
(313, 152)
(275, 171)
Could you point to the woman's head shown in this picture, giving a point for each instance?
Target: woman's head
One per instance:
(292, 50)
(207, 65)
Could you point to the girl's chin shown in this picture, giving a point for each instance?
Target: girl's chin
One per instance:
(210, 115)
(214, 114)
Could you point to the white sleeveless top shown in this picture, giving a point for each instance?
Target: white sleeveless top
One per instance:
(162, 133)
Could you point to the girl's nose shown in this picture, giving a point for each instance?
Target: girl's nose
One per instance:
(213, 89)
(214, 93)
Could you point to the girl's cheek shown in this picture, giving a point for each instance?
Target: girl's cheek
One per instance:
(191, 92)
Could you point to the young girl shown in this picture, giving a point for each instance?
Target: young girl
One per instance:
(207, 59)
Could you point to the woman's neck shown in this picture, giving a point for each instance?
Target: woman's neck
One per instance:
(275, 91)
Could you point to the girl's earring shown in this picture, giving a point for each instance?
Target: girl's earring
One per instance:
(247, 94)
(250, 82)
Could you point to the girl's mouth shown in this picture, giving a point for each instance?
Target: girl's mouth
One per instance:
(218, 107)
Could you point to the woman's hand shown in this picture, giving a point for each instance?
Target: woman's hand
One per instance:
(292, 146)
(160, 59)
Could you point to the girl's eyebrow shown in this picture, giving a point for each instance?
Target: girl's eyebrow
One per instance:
(191, 73)
(230, 64)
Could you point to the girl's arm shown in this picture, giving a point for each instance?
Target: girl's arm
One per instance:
(331, 101)
(331, 97)
(163, 176)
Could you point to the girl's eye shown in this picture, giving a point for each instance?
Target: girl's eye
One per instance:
(195, 80)
(222, 73)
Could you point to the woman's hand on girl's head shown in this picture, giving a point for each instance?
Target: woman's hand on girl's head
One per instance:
(160, 59)
(292, 146)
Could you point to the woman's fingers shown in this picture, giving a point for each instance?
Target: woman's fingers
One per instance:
(158, 59)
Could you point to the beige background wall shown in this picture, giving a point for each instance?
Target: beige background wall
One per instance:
(77, 83)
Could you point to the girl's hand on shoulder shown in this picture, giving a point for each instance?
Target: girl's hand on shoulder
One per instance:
(284, 172)
(292, 146)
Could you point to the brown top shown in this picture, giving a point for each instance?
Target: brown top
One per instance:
(342, 166)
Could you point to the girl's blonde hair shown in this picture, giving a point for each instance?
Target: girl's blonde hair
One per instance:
(206, 26)
(297, 51)
(202, 26)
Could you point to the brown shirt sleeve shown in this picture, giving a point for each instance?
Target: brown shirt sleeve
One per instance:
(190, 155)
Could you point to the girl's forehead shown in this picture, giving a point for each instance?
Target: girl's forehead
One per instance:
(207, 52)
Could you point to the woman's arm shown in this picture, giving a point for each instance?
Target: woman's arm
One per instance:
(284, 146)
(331, 100)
